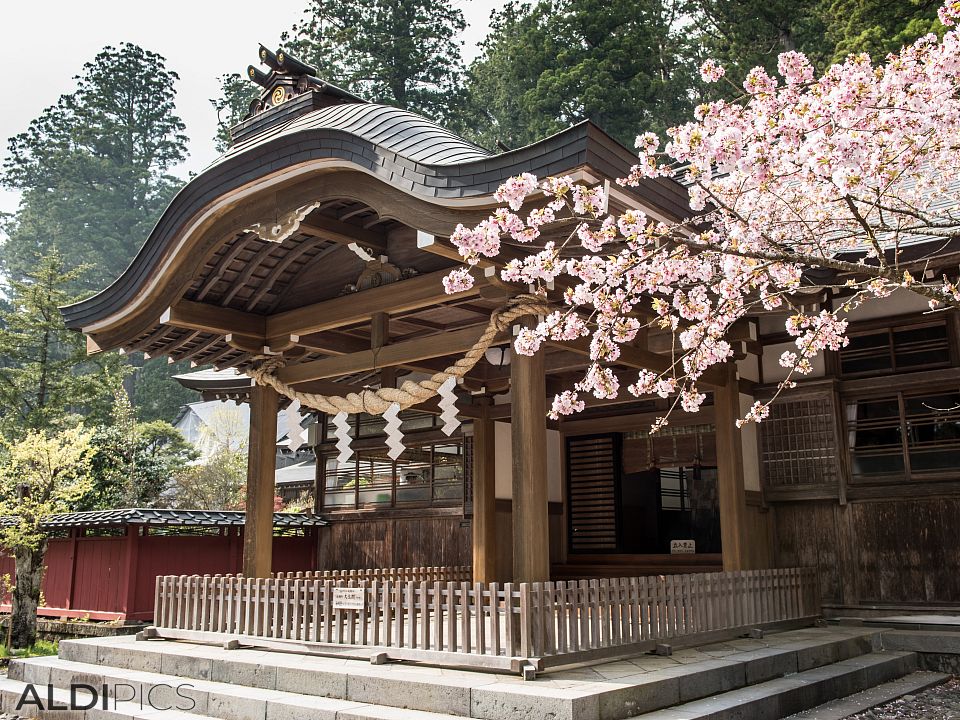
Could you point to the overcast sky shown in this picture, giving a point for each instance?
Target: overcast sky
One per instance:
(44, 44)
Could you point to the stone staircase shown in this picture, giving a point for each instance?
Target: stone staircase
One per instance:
(773, 677)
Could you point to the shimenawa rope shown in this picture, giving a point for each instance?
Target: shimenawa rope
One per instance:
(376, 402)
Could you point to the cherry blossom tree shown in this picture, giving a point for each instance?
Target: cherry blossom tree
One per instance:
(801, 184)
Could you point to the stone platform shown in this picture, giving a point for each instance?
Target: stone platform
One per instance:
(772, 677)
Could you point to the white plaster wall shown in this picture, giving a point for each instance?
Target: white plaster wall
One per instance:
(774, 372)
(504, 464)
(748, 440)
(749, 368)
(901, 302)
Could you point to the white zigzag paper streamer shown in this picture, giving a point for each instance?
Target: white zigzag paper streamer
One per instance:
(448, 403)
(342, 435)
(394, 436)
(295, 434)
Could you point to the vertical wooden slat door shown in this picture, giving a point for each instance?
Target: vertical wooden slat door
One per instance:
(592, 475)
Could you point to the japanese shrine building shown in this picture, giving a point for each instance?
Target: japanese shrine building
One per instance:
(320, 238)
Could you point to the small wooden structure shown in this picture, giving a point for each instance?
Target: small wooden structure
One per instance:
(102, 565)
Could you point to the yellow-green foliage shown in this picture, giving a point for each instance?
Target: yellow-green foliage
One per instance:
(41, 474)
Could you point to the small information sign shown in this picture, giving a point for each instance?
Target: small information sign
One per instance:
(348, 598)
(680, 547)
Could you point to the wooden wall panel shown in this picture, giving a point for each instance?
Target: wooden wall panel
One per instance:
(807, 537)
(394, 542)
(97, 583)
(758, 533)
(894, 551)
(907, 550)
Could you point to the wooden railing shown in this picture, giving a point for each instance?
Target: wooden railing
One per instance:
(490, 625)
(454, 573)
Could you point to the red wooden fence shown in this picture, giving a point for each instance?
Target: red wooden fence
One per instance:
(114, 578)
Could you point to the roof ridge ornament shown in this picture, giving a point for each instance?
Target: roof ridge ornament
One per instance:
(289, 77)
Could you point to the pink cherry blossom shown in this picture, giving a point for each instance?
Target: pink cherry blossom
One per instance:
(802, 188)
(711, 72)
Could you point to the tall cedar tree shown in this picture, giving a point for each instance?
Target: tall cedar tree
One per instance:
(621, 63)
(93, 169)
(405, 53)
(742, 34)
(45, 374)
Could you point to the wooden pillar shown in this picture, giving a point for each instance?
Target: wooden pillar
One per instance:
(730, 489)
(380, 336)
(261, 476)
(528, 427)
(484, 499)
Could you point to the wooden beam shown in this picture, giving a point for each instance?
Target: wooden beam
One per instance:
(261, 481)
(730, 485)
(400, 296)
(484, 499)
(528, 430)
(342, 233)
(211, 318)
(641, 359)
(401, 353)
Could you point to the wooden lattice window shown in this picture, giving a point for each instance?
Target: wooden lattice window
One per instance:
(906, 348)
(593, 474)
(904, 435)
(798, 442)
(427, 474)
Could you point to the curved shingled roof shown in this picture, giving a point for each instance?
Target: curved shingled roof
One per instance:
(390, 128)
(400, 148)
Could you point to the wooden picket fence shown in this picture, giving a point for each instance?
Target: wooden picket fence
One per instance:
(490, 625)
(439, 573)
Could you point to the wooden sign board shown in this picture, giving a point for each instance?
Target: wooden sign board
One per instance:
(349, 598)
(683, 547)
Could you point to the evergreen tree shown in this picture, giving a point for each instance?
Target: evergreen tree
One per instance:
(621, 63)
(742, 34)
(155, 395)
(132, 462)
(46, 376)
(237, 92)
(93, 169)
(398, 52)
(877, 27)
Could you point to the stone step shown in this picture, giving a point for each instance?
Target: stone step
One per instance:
(789, 695)
(851, 705)
(162, 697)
(611, 691)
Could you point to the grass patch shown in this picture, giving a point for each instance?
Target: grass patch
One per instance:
(40, 647)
